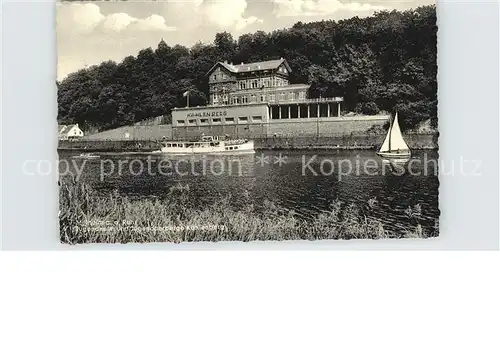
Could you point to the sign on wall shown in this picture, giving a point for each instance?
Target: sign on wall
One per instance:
(226, 111)
(207, 114)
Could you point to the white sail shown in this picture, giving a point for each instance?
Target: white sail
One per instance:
(397, 141)
(394, 138)
(385, 145)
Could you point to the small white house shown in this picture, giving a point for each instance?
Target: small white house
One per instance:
(70, 132)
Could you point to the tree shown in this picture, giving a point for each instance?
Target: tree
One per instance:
(225, 46)
(320, 80)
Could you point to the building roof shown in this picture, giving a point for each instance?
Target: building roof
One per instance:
(65, 128)
(251, 67)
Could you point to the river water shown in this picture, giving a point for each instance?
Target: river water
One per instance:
(303, 181)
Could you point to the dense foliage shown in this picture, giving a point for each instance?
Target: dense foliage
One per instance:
(86, 218)
(384, 62)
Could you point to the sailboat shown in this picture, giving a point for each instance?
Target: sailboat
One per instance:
(394, 146)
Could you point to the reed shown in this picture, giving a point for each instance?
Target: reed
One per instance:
(88, 217)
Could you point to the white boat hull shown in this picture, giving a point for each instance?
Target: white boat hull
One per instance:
(193, 148)
(395, 155)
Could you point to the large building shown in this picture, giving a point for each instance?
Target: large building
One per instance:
(257, 100)
(245, 83)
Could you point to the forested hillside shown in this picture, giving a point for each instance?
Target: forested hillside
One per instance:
(383, 62)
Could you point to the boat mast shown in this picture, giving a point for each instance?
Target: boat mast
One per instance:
(390, 132)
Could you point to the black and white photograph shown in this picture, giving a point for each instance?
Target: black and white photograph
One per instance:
(241, 120)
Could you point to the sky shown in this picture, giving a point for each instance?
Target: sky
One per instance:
(91, 32)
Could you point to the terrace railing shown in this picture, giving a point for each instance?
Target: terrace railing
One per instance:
(308, 101)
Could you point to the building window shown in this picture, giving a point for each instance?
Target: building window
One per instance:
(243, 119)
(262, 98)
(256, 119)
(255, 84)
(243, 85)
(244, 99)
(229, 120)
(216, 98)
(180, 122)
(203, 121)
(192, 121)
(290, 96)
(253, 98)
(270, 97)
(302, 95)
(215, 120)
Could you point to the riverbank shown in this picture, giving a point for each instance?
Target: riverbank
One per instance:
(346, 142)
(108, 145)
(86, 217)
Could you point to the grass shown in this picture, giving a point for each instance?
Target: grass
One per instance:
(88, 217)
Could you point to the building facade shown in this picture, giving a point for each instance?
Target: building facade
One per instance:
(220, 115)
(253, 93)
(257, 82)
